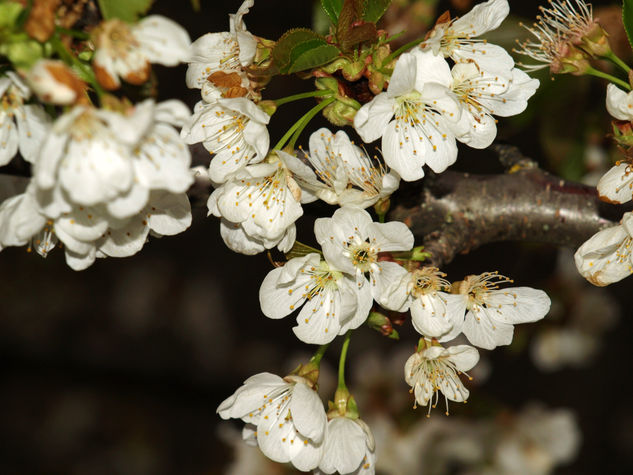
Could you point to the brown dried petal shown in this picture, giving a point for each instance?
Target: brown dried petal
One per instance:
(40, 24)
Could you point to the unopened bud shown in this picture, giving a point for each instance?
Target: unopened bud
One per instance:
(380, 322)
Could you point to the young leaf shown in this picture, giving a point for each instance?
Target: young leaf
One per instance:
(126, 10)
(627, 18)
(332, 8)
(375, 9)
(301, 49)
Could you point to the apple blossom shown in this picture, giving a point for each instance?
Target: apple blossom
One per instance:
(232, 129)
(229, 52)
(22, 126)
(352, 243)
(348, 448)
(332, 302)
(458, 38)
(482, 94)
(425, 293)
(435, 369)
(605, 257)
(491, 312)
(259, 205)
(419, 97)
(343, 174)
(126, 50)
(288, 415)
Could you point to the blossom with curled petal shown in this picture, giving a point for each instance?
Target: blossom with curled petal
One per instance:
(435, 369)
(331, 301)
(22, 126)
(420, 133)
(492, 312)
(349, 448)
(605, 257)
(229, 52)
(425, 293)
(258, 206)
(459, 38)
(483, 95)
(616, 186)
(232, 129)
(126, 50)
(342, 173)
(352, 243)
(288, 415)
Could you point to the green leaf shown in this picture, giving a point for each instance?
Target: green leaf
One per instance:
(332, 8)
(9, 13)
(126, 10)
(627, 18)
(358, 34)
(301, 49)
(375, 9)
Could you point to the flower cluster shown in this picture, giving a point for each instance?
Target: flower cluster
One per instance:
(102, 180)
(428, 105)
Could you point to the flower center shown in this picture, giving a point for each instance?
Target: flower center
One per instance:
(428, 280)
(363, 255)
(117, 38)
(477, 287)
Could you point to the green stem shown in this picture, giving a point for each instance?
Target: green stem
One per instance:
(608, 77)
(402, 49)
(80, 35)
(341, 361)
(611, 56)
(300, 123)
(83, 70)
(316, 359)
(303, 95)
(308, 117)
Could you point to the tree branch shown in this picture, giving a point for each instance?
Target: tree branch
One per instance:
(454, 213)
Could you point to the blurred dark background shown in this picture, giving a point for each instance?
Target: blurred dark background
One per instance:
(119, 368)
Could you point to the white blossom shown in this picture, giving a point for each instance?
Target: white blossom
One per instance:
(22, 126)
(234, 130)
(259, 206)
(332, 302)
(482, 95)
(425, 293)
(458, 38)
(53, 82)
(420, 134)
(606, 257)
(352, 243)
(492, 312)
(342, 173)
(349, 448)
(126, 50)
(94, 157)
(288, 416)
(436, 369)
(226, 51)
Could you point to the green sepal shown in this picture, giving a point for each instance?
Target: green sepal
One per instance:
(299, 250)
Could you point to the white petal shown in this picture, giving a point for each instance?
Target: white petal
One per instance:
(482, 331)
(33, 124)
(125, 241)
(403, 79)
(307, 412)
(518, 304)
(372, 118)
(162, 40)
(168, 213)
(8, 138)
(483, 17)
(463, 356)
(345, 446)
(77, 261)
(391, 236)
(429, 316)
(619, 103)
(617, 184)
